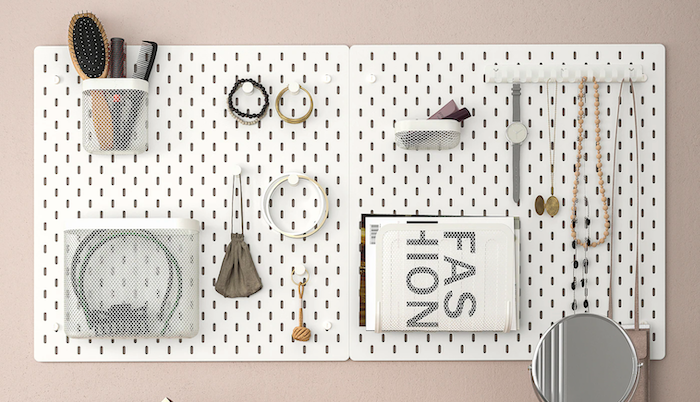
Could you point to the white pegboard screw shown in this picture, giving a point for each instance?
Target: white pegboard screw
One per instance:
(300, 270)
(327, 79)
(56, 79)
(56, 327)
(371, 78)
(247, 88)
(236, 170)
(294, 87)
(293, 180)
(327, 325)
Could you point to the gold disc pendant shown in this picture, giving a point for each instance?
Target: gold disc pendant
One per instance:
(539, 205)
(552, 206)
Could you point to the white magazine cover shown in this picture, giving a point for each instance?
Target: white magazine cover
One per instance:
(446, 277)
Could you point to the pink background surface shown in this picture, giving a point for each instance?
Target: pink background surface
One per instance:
(25, 25)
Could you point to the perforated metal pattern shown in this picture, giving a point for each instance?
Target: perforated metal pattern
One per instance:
(115, 121)
(186, 173)
(390, 83)
(427, 140)
(131, 283)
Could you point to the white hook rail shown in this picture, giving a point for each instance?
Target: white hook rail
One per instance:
(507, 73)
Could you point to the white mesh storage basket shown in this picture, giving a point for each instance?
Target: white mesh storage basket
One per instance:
(446, 277)
(115, 115)
(428, 134)
(131, 278)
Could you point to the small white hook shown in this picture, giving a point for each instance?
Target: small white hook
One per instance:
(247, 88)
(294, 87)
(236, 170)
(293, 180)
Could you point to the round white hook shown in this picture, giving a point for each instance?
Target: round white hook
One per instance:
(247, 88)
(294, 87)
(236, 170)
(372, 78)
(300, 270)
(56, 327)
(327, 325)
(293, 180)
(327, 79)
(56, 79)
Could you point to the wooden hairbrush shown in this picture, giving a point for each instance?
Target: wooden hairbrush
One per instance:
(88, 46)
(89, 50)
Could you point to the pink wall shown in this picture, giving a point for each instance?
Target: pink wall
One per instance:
(25, 24)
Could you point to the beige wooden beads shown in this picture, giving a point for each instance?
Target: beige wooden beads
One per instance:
(599, 166)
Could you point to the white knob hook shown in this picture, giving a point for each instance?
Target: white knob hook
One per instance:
(371, 78)
(293, 180)
(327, 79)
(565, 76)
(236, 170)
(294, 87)
(300, 270)
(247, 88)
(603, 76)
(497, 76)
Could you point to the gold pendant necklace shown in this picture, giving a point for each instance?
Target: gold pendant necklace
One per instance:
(552, 204)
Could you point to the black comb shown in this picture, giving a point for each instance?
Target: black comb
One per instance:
(88, 46)
(147, 56)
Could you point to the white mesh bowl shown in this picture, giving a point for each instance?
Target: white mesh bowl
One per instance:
(115, 116)
(131, 278)
(427, 134)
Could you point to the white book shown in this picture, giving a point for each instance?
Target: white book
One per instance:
(451, 274)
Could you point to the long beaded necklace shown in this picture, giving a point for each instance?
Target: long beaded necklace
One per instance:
(586, 243)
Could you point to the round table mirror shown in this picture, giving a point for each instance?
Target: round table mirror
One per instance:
(585, 357)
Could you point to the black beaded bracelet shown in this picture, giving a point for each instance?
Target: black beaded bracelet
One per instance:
(237, 85)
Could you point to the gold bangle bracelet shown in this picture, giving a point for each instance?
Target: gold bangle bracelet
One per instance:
(300, 119)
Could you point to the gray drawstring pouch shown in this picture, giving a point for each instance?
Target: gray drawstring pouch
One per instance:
(238, 276)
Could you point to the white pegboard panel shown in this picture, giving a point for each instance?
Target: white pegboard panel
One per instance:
(186, 173)
(389, 83)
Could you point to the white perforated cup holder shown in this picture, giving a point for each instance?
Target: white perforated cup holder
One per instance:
(115, 116)
(427, 134)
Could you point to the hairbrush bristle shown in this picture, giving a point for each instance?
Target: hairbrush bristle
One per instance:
(83, 58)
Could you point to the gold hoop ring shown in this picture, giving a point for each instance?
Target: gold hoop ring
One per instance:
(297, 120)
